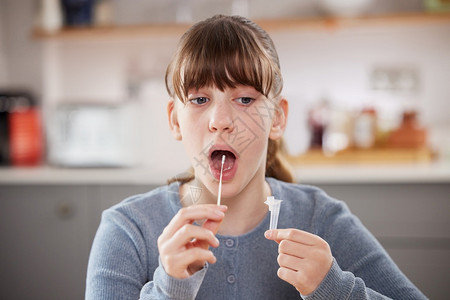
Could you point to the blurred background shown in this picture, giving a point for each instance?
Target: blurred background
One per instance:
(83, 122)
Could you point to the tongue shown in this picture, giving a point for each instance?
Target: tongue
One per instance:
(217, 160)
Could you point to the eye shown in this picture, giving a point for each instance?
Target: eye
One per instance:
(245, 100)
(199, 100)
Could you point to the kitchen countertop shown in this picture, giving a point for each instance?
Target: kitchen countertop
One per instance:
(436, 172)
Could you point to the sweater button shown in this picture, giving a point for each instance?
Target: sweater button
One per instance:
(229, 243)
(231, 279)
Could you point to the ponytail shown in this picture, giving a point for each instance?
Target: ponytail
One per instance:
(184, 177)
(276, 165)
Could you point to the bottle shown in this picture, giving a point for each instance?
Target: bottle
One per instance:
(104, 13)
(317, 121)
(337, 135)
(364, 129)
(50, 16)
(78, 13)
(410, 134)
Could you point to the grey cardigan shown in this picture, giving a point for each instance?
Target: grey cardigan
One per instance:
(124, 261)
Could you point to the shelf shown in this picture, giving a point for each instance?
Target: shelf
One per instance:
(335, 23)
(269, 25)
(364, 156)
(112, 32)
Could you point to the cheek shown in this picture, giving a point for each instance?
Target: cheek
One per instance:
(193, 133)
(191, 140)
(254, 150)
(187, 124)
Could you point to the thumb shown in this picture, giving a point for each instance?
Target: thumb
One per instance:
(272, 235)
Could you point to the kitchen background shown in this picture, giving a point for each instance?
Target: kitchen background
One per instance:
(93, 96)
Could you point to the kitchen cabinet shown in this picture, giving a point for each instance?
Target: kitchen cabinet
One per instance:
(45, 241)
(113, 194)
(46, 234)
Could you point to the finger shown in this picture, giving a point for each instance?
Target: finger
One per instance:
(295, 235)
(319, 252)
(177, 264)
(196, 254)
(288, 275)
(294, 278)
(290, 262)
(294, 248)
(203, 257)
(212, 225)
(302, 281)
(184, 237)
(190, 214)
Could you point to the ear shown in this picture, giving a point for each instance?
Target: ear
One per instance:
(280, 120)
(173, 120)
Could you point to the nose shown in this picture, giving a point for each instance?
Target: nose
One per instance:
(221, 118)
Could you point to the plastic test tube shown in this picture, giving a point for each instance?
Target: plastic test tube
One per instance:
(274, 208)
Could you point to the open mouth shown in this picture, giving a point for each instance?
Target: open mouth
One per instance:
(230, 165)
(216, 159)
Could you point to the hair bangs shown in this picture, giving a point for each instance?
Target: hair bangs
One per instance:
(223, 55)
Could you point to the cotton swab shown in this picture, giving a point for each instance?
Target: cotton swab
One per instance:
(220, 181)
(274, 208)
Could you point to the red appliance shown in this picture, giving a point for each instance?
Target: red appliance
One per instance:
(21, 134)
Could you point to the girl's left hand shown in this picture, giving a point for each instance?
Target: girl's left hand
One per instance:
(304, 258)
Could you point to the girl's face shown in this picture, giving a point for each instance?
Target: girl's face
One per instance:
(236, 122)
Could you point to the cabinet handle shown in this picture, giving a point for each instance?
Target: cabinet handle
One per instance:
(65, 210)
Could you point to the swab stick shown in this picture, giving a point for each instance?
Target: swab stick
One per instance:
(220, 181)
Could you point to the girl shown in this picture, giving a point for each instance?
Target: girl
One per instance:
(225, 86)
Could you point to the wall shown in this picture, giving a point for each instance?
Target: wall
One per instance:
(4, 72)
(320, 63)
(22, 56)
(336, 64)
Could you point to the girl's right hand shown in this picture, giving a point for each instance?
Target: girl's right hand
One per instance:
(183, 246)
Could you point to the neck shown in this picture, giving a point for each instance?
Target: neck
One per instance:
(245, 209)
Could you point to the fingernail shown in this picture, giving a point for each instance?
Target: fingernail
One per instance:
(219, 213)
(268, 234)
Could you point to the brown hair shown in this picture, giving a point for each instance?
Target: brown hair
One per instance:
(224, 51)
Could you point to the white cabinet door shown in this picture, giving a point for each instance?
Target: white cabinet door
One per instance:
(44, 242)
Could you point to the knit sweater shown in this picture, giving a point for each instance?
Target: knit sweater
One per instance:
(124, 261)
